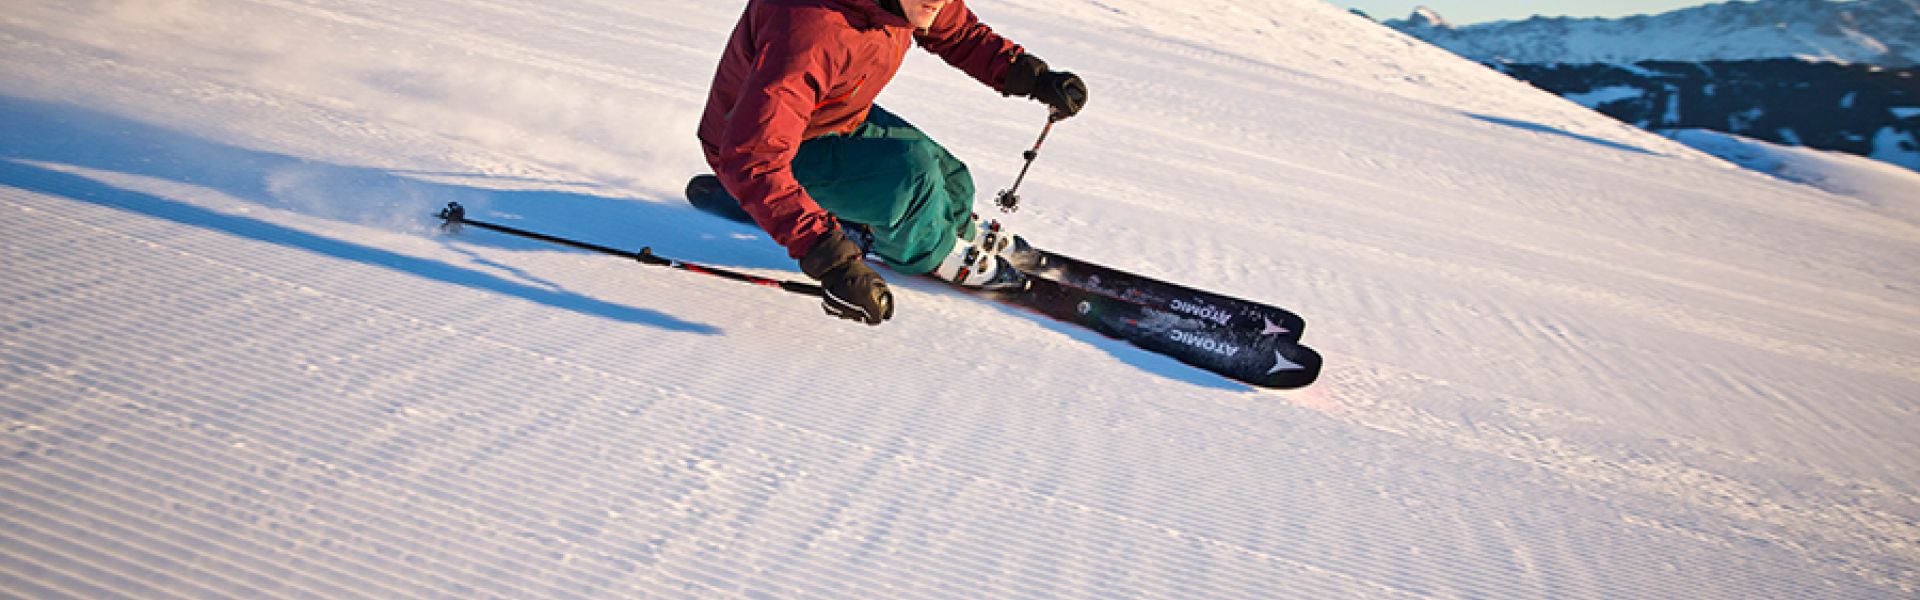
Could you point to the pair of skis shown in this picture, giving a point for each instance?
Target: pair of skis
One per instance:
(1243, 340)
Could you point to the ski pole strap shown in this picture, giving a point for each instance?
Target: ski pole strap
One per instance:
(455, 216)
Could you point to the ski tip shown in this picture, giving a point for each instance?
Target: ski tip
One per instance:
(706, 193)
(1293, 367)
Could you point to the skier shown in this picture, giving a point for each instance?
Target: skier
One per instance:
(792, 132)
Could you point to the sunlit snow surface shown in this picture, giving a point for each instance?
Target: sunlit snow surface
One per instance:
(1565, 358)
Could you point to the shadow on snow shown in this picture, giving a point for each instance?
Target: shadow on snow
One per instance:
(1538, 128)
(36, 132)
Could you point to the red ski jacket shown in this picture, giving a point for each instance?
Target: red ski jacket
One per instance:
(799, 69)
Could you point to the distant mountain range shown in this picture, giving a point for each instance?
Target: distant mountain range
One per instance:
(1828, 75)
(1858, 109)
(1877, 32)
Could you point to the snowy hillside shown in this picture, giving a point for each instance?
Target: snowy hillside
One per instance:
(1565, 358)
(1879, 32)
(1887, 188)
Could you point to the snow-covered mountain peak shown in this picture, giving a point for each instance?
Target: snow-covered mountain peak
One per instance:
(1425, 17)
(1881, 32)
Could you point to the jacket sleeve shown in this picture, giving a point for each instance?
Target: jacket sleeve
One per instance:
(958, 37)
(763, 132)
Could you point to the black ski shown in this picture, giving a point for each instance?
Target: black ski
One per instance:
(705, 193)
(1223, 311)
(1248, 356)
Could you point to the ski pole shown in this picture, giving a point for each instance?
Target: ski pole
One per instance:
(456, 216)
(1009, 199)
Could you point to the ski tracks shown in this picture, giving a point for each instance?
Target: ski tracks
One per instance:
(1724, 497)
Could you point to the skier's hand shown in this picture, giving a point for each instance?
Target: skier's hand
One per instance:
(853, 291)
(1061, 91)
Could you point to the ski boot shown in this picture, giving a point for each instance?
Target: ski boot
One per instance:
(977, 261)
(994, 238)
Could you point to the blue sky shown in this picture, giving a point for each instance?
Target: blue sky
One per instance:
(1465, 12)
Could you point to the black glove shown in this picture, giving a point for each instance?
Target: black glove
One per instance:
(853, 290)
(1064, 92)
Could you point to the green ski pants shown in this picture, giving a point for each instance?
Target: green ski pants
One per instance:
(890, 176)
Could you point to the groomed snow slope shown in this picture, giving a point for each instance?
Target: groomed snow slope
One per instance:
(1566, 358)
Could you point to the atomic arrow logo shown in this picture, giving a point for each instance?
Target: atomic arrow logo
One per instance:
(1273, 329)
(1282, 364)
